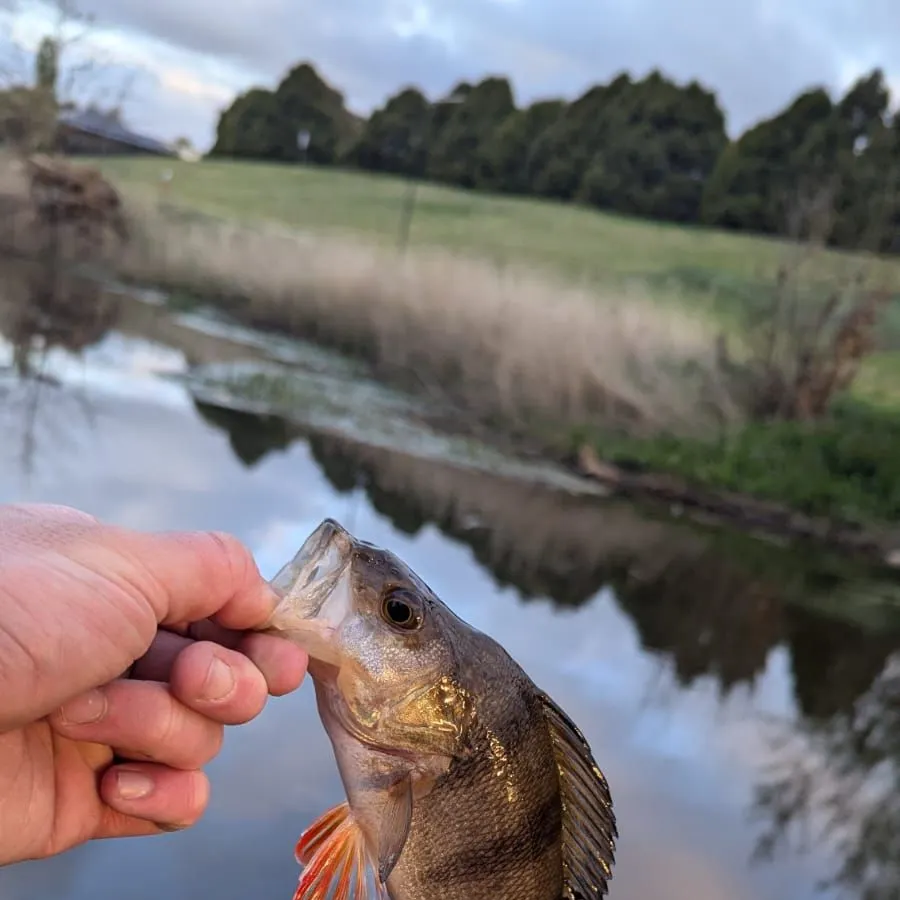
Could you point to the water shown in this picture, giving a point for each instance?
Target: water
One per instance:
(740, 698)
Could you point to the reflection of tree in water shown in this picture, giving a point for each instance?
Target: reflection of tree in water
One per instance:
(252, 437)
(556, 572)
(714, 606)
(836, 784)
(833, 664)
(834, 772)
(44, 307)
(709, 615)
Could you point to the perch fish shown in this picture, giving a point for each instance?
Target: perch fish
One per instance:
(463, 780)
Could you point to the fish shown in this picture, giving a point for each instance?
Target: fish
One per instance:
(463, 780)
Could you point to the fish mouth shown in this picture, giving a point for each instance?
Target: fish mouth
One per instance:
(314, 592)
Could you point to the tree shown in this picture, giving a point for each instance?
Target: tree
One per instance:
(393, 139)
(756, 180)
(66, 71)
(505, 156)
(650, 148)
(251, 128)
(306, 102)
(262, 124)
(662, 142)
(562, 153)
(868, 167)
(454, 152)
(47, 65)
(841, 155)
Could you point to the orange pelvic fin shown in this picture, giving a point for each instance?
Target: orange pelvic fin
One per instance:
(319, 831)
(335, 860)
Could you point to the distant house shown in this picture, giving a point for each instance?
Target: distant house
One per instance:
(92, 132)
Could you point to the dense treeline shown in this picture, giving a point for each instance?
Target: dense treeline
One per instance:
(650, 148)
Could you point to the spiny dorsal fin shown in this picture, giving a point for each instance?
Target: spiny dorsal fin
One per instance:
(589, 823)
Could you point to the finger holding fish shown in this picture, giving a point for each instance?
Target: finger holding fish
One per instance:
(282, 663)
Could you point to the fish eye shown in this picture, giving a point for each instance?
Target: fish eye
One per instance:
(401, 610)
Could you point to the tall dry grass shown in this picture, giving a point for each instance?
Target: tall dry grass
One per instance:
(510, 344)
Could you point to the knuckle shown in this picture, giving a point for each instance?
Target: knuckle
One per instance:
(232, 556)
(169, 722)
(185, 738)
(227, 564)
(212, 745)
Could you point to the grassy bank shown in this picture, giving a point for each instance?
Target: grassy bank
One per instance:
(594, 328)
(846, 467)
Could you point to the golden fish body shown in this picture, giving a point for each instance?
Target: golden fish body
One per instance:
(464, 781)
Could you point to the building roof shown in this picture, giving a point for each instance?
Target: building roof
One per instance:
(95, 122)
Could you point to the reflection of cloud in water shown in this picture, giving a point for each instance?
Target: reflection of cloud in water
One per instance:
(43, 424)
(49, 389)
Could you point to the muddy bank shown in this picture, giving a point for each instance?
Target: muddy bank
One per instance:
(880, 545)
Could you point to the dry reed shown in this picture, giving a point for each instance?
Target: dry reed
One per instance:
(508, 343)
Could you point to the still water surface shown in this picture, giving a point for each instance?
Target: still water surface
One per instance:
(733, 711)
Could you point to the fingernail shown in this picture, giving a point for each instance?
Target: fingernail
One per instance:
(83, 710)
(219, 681)
(132, 785)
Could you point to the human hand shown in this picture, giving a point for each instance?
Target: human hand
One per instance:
(122, 657)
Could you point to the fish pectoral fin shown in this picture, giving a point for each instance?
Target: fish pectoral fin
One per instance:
(589, 823)
(394, 829)
(334, 854)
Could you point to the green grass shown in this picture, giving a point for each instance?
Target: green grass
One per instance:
(846, 467)
(879, 381)
(574, 239)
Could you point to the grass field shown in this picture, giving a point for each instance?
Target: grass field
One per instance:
(604, 306)
(578, 241)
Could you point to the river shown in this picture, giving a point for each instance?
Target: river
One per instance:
(741, 698)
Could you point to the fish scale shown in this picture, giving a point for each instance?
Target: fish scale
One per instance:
(464, 780)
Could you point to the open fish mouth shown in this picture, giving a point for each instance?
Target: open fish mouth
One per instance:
(314, 592)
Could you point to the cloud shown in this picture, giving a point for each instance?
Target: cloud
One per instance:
(757, 55)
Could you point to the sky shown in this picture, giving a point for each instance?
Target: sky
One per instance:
(184, 60)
